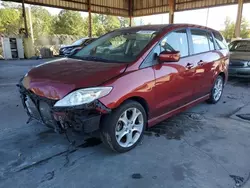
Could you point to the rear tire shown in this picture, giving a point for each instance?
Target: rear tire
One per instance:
(123, 129)
(217, 90)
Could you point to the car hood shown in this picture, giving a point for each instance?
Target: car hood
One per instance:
(70, 46)
(55, 79)
(240, 56)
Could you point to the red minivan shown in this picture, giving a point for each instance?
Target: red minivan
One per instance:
(128, 80)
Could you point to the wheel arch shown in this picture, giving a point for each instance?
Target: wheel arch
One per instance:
(140, 100)
(223, 75)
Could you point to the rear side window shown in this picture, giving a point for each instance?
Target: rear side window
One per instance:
(220, 42)
(200, 41)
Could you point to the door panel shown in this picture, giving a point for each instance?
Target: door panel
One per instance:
(173, 85)
(204, 59)
(205, 65)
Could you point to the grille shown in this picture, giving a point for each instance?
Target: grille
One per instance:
(237, 64)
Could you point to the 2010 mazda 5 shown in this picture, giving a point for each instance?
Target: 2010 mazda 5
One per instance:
(146, 75)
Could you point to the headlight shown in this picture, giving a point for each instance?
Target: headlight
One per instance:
(83, 96)
(248, 63)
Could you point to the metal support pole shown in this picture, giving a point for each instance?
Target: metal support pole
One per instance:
(90, 19)
(207, 16)
(171, 11)
(239, 17)
(31, 27)
(130, 21)
(25, 20)
(130, 12)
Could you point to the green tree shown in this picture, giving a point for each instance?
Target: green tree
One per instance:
(109, 23)
(102, 24)
(229, 30)
(69, 22)
(245, 28)
(41, 21)
(10, 21)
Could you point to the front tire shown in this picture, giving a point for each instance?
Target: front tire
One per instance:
(123, 129)
(217, 90)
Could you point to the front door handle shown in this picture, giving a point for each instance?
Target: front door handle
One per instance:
(190, 65)
(200, 63)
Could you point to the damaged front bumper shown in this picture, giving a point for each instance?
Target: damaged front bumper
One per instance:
(83, 118)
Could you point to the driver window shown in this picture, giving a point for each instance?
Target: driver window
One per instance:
(176, 41)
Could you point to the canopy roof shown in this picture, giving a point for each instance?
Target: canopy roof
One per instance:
(128, 8)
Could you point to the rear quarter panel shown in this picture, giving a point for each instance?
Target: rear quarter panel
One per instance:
(221, 64)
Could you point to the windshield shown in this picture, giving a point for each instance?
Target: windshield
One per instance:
(79, 42)
(117, 46)
(240, 46)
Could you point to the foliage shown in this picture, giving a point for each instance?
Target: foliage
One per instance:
(69, 22)
(10, 21)
(229, 30)
(41, 21)
(65, 23)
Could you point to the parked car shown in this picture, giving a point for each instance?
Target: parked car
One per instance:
(75, 47)
(239, 65)
(151, 73)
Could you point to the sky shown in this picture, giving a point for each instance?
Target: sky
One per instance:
(216, 16)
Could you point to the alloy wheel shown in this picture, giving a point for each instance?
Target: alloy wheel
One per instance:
(217, 91)
(129, 127)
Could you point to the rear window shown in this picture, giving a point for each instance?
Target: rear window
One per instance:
(220, 42)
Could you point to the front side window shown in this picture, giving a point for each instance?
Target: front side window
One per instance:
(118, 46)
(240, 46)
(200, 41)
(176, 41)
(220, 42)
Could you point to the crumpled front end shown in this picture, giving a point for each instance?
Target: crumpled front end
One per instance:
(84, 118)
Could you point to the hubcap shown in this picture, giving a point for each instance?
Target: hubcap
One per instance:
(129, 127)
(218, 87)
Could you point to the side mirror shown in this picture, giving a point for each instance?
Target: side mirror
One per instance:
(169, 56)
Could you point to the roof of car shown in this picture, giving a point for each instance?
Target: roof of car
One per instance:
(159, 27)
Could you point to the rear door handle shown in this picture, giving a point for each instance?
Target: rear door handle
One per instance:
(190, 65)
(200, 63)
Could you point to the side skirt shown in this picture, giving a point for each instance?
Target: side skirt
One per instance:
(162, 117)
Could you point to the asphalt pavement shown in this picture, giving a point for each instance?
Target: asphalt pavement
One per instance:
(204, 147)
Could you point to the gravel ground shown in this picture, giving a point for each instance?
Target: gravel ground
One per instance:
(204, 147)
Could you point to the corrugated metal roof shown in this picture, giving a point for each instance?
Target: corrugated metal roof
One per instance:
(112, 7)
(194, 4)
(121, 7)
(147, 7)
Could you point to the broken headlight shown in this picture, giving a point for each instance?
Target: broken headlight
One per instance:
(83, 96)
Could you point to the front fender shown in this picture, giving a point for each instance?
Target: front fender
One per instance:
(138, 83)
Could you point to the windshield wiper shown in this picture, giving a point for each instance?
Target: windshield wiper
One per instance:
(90, 58)
(93, 58)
